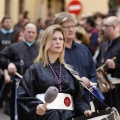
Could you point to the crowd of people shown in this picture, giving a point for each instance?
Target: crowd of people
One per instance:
(39, 52)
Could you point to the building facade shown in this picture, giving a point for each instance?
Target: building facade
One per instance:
(44, 8)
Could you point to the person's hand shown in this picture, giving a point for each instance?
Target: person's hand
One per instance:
(7, 79)
(88, 113)
(12, 68)
(92, 85)
(40, 110)
(86, 81)
(110, 63)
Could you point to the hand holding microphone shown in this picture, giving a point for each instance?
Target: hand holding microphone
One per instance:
(49, 97)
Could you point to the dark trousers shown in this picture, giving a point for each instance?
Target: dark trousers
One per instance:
(13, 100)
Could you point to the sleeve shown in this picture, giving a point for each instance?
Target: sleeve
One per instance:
(92, 75)
(27, 92)
(81, 101)
(94, 39)
(5, 57)
(114, 72)
(10, 54)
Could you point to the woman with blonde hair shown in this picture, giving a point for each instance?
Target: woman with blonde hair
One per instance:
(49, 70)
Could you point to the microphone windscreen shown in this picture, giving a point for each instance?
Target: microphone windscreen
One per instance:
(51, 94)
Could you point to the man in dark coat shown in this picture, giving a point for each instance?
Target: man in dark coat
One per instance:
(19, 56)
(108, 50)
(6, 32)
(76, 54)
(6, 38)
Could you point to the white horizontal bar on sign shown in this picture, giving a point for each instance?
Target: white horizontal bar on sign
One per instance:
(75, 7)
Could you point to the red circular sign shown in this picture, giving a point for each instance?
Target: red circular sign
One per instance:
(75, 7)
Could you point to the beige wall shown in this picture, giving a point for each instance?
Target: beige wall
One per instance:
(118, 13)
(38, 8)
(43, 11)
(2, 9)
(14, 10)
(30, 6)
(92, 6)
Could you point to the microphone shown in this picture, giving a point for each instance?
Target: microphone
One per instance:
(50, 95)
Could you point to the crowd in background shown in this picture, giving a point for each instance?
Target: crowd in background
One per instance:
(88, 30)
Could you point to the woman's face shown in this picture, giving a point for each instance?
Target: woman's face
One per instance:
(57, 43)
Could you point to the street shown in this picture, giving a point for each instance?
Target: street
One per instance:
(3, 116)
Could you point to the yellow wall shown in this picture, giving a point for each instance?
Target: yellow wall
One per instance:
(2, 9)
(92, 6)
(38, 8)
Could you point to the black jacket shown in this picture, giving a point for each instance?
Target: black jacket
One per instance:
(37, 79)
(20, 54)
(5, 40)
(108, 52)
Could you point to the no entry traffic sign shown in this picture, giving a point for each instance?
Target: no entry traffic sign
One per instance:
(75, 7)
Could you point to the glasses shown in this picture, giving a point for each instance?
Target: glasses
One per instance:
(68, 27)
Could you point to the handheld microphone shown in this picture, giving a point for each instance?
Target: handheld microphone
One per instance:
(50, 95)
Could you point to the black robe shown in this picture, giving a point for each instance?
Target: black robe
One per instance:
(20, 54)
(37, 80)
(5, 40)
(112, 98)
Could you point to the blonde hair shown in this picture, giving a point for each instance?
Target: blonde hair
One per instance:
(46, 42)
(85, 37)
